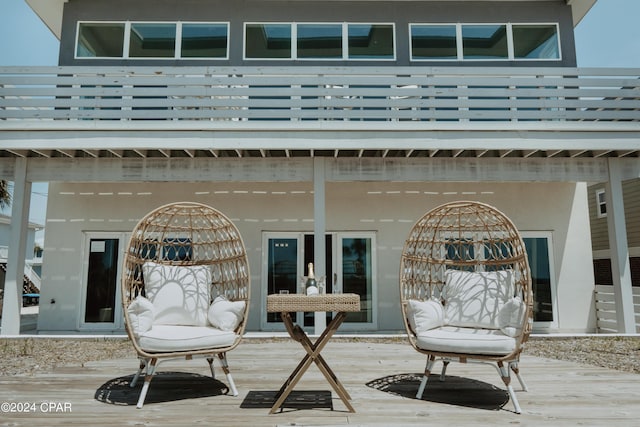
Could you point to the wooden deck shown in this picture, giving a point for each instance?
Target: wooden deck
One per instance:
(381, 377)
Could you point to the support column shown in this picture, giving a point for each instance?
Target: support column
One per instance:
(14, 278)
(619, 248)
(319, 231)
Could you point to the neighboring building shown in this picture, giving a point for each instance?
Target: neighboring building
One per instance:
(31, 278)
(600, 235)
(342, 119)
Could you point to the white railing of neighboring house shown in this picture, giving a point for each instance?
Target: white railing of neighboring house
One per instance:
(606, 308)
(29, 273)
(230, 96)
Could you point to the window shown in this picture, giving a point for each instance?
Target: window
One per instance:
(370, 41)
(204, 41)
(319, 41)
(201, 40)
(268, 41)
(433, 42)
(100, 40)
(601, 203)
(493, 42)
(147, 40)
(535, 41)
(484, 42)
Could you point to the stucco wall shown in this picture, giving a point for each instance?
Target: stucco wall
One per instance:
(388, 209)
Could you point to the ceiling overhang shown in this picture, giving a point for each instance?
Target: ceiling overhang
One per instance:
(50, 11)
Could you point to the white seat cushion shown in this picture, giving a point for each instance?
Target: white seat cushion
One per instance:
(452, 339)
(180, 294)
(475, 299)
(164, 338)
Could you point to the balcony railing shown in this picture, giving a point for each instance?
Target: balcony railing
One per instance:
(210, 97)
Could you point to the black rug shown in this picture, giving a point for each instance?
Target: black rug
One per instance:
(303, 399)
(165, 387)
(453, 390)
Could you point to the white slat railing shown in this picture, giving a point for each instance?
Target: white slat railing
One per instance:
(417, 94)
(606, 308)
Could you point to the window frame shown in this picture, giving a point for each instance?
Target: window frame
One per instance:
(227, 25)
(294, 41)
(177, 42)
(553, 285)
(558, 41)
(77, 39)
(601, 203)
(460, 45)
(118, 323)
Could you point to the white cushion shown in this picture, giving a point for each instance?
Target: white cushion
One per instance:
(141, 315)
(475, 299)
(424, 315)
(163, 338)
(511, 317)
(226, 315)
(451, 339)
(180, 294)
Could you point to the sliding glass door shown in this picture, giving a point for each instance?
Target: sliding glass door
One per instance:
(349, 268)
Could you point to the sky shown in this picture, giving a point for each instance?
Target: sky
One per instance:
(608, 36)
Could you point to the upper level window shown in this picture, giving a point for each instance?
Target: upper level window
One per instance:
(148, 40)
(204, 41)
(484, 42)
(319, 41)
(268, 41)
(371, 41)
(535, 41)
(100, 40)
(433, 42)
(326, 41)
(152, 40)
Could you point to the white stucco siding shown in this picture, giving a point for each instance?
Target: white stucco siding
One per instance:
(387, 209)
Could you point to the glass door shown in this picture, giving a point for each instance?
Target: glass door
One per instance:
(349, 268)
(285, 258)
(101, 275)
(356, 272)
(282, 271)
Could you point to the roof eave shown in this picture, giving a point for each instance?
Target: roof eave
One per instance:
(50, 12)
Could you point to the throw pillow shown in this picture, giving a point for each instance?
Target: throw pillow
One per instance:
(140, 315)
(473, 299)
(226, 315)
(180, 294)
(511, 317)
(424, 315)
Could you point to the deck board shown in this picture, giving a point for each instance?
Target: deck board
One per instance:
(381, 378)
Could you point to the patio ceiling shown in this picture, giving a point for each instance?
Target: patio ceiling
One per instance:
(298, 153)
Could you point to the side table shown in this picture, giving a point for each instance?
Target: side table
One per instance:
(288, 303)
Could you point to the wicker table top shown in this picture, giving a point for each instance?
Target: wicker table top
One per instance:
(278, 303)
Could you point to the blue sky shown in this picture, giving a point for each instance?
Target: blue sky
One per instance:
(608, 36)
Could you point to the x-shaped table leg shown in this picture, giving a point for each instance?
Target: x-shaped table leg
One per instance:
(313, 355)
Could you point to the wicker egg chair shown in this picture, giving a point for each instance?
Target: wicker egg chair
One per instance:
(193, 259)
(465, 289)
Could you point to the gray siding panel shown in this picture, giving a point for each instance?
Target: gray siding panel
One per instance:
(599, 233)
(239, 11)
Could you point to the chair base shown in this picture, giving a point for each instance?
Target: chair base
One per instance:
(503, 371)
(149, 366)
